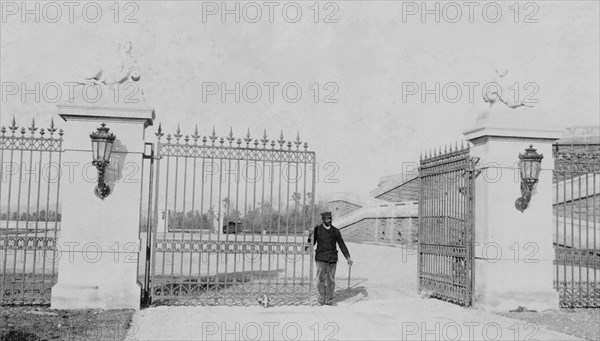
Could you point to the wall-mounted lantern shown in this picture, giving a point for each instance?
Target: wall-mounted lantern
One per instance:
(530, 165)
(102, 144)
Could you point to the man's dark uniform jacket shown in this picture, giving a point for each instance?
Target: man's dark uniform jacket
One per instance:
(325, 240)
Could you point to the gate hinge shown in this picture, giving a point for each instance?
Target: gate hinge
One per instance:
(476, 171)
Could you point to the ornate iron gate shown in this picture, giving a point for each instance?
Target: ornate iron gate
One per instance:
(230, 220)
(446, 205)
(577, 226)
(29, 212)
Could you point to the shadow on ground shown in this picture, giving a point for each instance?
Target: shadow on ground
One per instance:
(353, 295)
(357, 291)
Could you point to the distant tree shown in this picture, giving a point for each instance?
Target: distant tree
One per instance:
(4, 217)
(15, 216)
(296, 198)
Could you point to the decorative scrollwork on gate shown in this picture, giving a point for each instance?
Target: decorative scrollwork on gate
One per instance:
(224, 247)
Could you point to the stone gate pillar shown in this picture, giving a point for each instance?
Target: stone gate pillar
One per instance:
(513, 250)
(99, 239)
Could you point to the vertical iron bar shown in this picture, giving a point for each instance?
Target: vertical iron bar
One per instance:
(39, 194)
(303, 221)
(296, 201)
(572, 238)
(193, 223)
(204, 281)
(556, 242)
(420, 226)
(167, 218)
(175, 228)
(470, 235)
(278, 255)
(564, 247)
(312, 223)
(262, 213)
(12, 139)
(219, 255)
(149, 224)
(579, 236)
(154, 230)
(437, 228)
(238, 175)
(210, 198)
(254, 214)
(227, 222)
(183, 230)
(287, 224)
(19, 220)
(3, 140)
(246, 216)
(587, 235)
(54, 275)
(271, 211)
(32, 140)
(596, 286)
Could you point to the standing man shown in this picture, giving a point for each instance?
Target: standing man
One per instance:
(325, 237)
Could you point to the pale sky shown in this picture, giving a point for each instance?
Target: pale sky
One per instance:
(367, 56)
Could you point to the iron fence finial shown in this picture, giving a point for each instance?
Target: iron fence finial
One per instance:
(178, 134)
(230, 137)
(52, 129)
(281, 140)
(248, 139)
(13, 127)
(196, 136)
(264, 139)
(33, 128)
(298, 142)
(213, 137)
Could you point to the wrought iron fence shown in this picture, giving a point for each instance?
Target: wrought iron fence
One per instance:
(446, 204)
(29, 212)
(231, 219)
(577, 227)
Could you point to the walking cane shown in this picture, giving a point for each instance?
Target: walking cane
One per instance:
(349, 272)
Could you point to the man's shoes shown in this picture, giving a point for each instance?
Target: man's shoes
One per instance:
(329, 303)
(319, 303)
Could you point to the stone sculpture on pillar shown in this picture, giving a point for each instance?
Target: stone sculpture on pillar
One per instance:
(498, 92)
(126, 72)
(499, 106)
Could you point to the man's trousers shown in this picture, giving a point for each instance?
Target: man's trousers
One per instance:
(326, 278)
